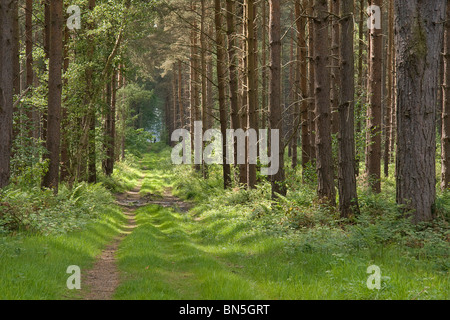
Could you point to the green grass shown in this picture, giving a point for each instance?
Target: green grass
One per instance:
(237, 245)
(172, 256)
(33, 267)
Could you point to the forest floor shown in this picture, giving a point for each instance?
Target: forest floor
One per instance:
(172, 235)
(101, 282)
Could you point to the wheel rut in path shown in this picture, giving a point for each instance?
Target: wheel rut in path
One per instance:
(102, 280)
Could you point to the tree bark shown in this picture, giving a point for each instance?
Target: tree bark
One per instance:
(110, 126)
(418, 41)
(252, 86)
(233, 72)
(91, 117)
(51, 178)
(311, 76)
(275, 107)
(221, 80)
(374, 123)
(348, 198)
(335, 79)
(302, 80)
(445, 136)
(29, 59)
(324, 156)
(6, 89)
(390, 84)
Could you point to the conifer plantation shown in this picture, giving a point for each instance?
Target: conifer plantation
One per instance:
(224, 150)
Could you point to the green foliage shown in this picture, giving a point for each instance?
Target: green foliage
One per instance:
(250, 247)
(40, 211)
(138, 141)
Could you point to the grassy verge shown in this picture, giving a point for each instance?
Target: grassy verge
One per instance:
(33, 267)
(41, 235)
(240, 245)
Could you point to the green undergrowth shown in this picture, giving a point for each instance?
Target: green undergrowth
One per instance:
(42, 234)
(238, 244)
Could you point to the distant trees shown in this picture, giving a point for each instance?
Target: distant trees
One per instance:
(69, 99)
(55, 83)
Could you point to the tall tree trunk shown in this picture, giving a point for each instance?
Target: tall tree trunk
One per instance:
(252, 86)
(445, 136)
(275, 107)
(324, 155)
(232, 65)
(16, 69)
(46, 42)
(221, 80)
(390, 84)
(110, 125)
(311, 76)
(180, 94)
(361, 79)
(92, 112)
(51, 179)
(192, 84)
(204, 100)
(373, 152)
(264, 65)
(302, 80)
(348, 198)
(92, 149)
(294, 100)
(335, 85)
(65, 159)
(29, 59)
(418, 39)
(243, 84)
(6, 89)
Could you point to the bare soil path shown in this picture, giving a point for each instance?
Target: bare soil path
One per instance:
(102, 280)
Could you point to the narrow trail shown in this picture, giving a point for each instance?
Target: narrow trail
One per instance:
(102, 280)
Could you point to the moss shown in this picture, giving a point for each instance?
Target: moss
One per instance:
(418, 47)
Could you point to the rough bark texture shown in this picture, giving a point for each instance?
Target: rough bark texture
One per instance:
(335, 79)
(29, 62)
(275, 107)
(180, 94)
(445, 142)
(51, 179)
(221, 77)
(324, 161)
(373, 151)
(204, 101)
(348, 198)
(264, 90)
(389, 99)
(418, 41)
(252, 85)
(6, 89)
(110, 126)
(311, 76)
(302, 80)
(91, 118)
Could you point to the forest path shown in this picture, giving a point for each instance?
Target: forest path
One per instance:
(103, 279)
